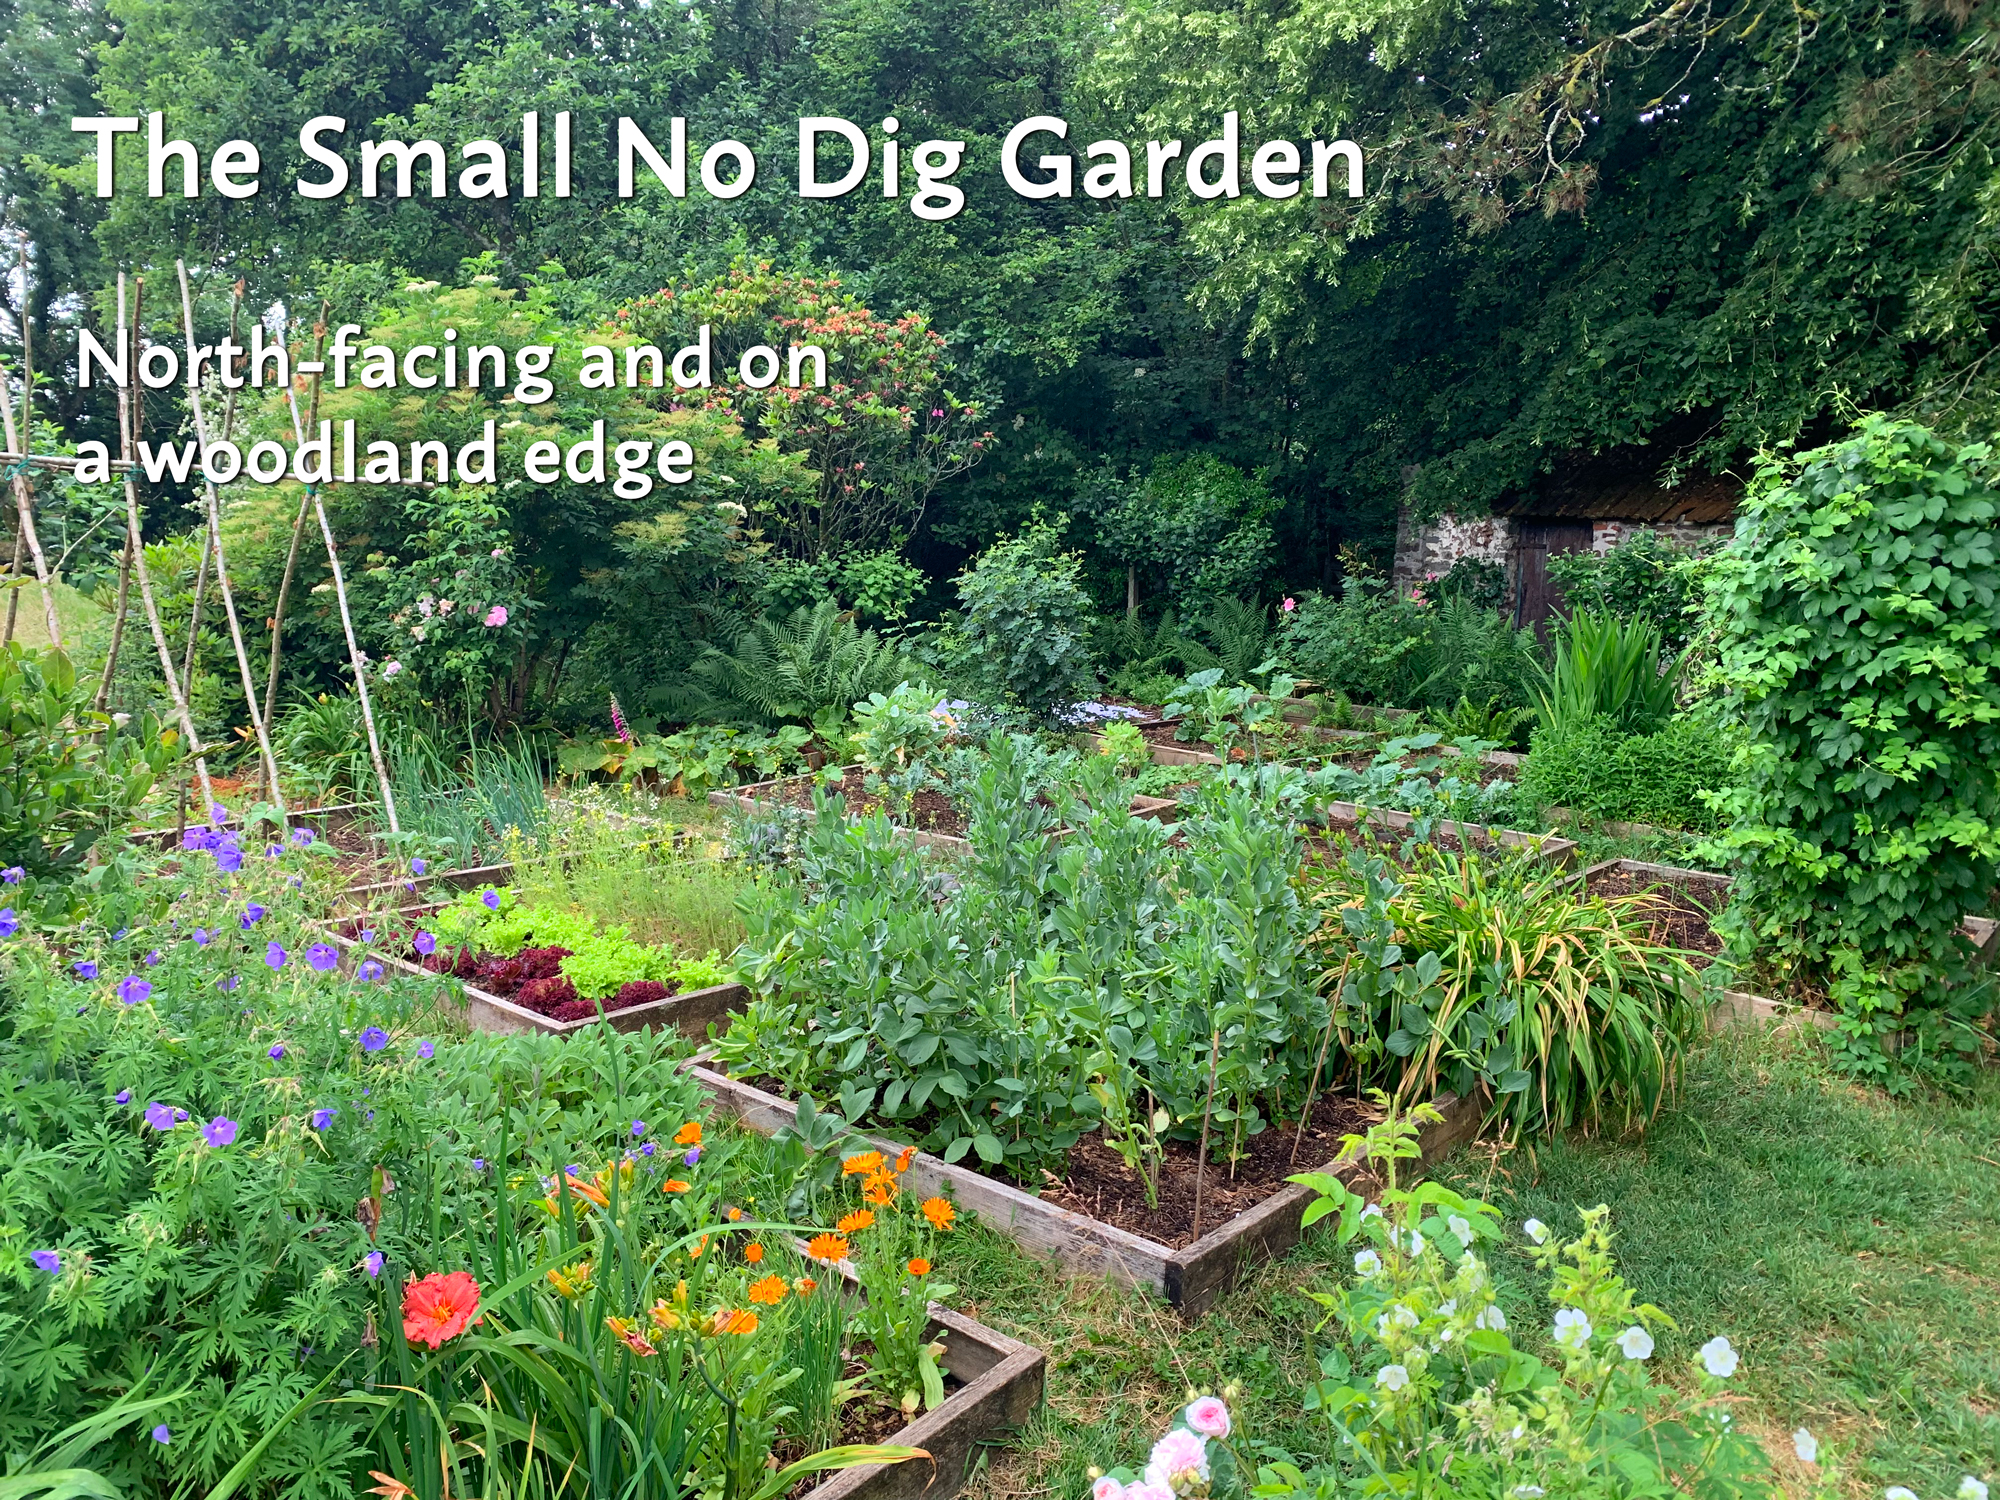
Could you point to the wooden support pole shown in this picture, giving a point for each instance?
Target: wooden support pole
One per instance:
(298, 531)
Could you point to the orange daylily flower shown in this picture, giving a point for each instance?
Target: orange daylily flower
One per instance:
(861, 1218)
(939, 1212)
(675, 1185)
(864, 1165)
(689, 1134)
(734, 1322)
(827, 1247)
(770, 1290)
(919, 1266)
(753, 1252)
(390, 1486)
(629, 1335)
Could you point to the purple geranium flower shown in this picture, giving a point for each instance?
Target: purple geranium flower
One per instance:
(418, 866)
(425, 1050)
(274, 955)
(12, 874)
(277, 1051)
(490, 900)
(638, 1129)
(252, 915)
(425, 943)
(228, 857)
(160, 1116)
(86, 968)
(47, 1260)
(479, 1164)
(161, 1435)
(152, 958)
(373, 1261)
(693, 1156)
(323, 1118)
(367, 934)
(201, 936)
(273, 851)
(302, 835)
(221, 1131)
(322, 956)
(133, 990)
(123, 1096)
(9, 923)
(231, 982)
(374, 1039)
(647, 1149)
(370, 971)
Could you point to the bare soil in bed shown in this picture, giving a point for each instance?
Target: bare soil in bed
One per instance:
(1678, 912)
(1343, 834)
(1096, 1182)
(931, 810)
(862, 1420)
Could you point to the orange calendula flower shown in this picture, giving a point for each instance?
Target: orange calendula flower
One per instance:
(770, 1291)
(919, 1266)
(695, 1254)
(804, 1284)
(865, 1165)
(733, 1215)
(939, 1212)
(744, 1323)
(689, 1134)
(675, 1185)
(629, 1335)
(880, 1190)
(904, 1157)
(861, 1218)
(753, 1252)
(827, 1247)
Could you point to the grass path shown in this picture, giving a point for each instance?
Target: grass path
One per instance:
(1848, 1244)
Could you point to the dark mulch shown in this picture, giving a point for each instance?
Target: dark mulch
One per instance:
(931, 811)
(1097, 1183)
(1343, 834)
(1677, 911)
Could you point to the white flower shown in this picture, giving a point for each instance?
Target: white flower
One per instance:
(1392, 1377)
(1971, 1489)
(1491, 1317)
(1372, 1211)
(390, 669)
(1897, 1492)
(1529, 1492)
(1718, 1358)
(1107, 1488)
(1806, 1446)
(1367, 1263)
(1416, 1243)
(1178, 1460)
(1450, 1306)
(1404, 1316)
(1457, 1225)
(1536, 1230)
(1636, 1342)
(1572, 1327)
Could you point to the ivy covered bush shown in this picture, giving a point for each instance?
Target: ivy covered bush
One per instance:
(1859, 610)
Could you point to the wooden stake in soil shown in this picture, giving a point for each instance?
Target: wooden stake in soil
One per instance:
(1325, 1046)
(354, 656)
(1207, 1109)
(135, 541)
(298, 530)
(103, 699)
(24, 495)
(222, 561)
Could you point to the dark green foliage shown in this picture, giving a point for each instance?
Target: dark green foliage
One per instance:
(1608, 668)
(1473, 579)
(1362, 642)
(784, 670)
(1024, 640)
(1859, 610)
(1642, 575)
(1196, 527)
(1605, 774)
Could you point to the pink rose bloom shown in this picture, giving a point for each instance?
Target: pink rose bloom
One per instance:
(1107, 1488)
(1148, 1490)
(390, 669)
(1290, 604)
(1177, 1455)
(1209, 1417)
(444, 606)
(497, 615)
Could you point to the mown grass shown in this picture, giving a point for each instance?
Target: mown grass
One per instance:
(1848, 1244)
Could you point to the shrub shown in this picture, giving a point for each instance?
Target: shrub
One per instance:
(1601, 773)
(1475, 580)
(1859, 611)
(1025, 638)
(1361, 643)
(1644, 576)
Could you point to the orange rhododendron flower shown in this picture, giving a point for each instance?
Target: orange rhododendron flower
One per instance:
(939, 1212)
(880, 1190)
(905, 1157)
(920, 1267)
(689, 1134)
(629, 1335)
(439, 1307)
(861, 1218)
(827, 1247)
(753, 1252)
(865, 1165)
(675, 1185)
(770, 1291)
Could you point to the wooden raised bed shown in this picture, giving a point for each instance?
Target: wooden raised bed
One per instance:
(1001, 1382)
(691, 1012)
(1191, 1278)
(754, 799)
(1742, 1007)
(314, 818)
(1552, 847)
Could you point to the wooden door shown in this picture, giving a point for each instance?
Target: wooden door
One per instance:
(1536, 597)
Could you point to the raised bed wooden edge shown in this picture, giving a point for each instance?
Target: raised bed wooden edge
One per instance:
(1001, 1386)
(307, 816)
(746, 799)
(1742, 1007)
(1550, 846)
(690, 1012)
(1190, 1278)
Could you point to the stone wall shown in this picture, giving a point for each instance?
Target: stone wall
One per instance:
(1423, 550)
(1604, 535)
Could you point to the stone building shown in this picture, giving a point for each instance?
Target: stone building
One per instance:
(1592, 507)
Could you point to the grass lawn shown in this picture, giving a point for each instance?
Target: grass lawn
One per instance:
(1848, 1244)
